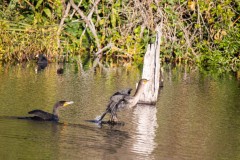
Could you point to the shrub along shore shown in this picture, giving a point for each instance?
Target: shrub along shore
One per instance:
(203, 32)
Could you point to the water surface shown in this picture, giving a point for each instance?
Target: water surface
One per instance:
(197, 116)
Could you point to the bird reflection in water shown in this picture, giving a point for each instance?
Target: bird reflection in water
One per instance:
(116, 140)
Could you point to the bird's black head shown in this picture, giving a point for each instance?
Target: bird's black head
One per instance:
(63, 103)
(42, 58)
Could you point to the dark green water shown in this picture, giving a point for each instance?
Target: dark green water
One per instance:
(196, 118)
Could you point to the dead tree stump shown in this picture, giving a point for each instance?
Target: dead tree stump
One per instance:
(151, 70)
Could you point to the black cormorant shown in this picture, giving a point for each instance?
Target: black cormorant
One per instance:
(60, 71)
(42, 59)
(123, 99)
(42, 62)
(61, 64)
(45, 116)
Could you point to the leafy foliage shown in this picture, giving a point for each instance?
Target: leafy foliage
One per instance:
(203, 32)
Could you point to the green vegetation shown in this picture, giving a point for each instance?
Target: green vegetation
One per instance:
(202, 32)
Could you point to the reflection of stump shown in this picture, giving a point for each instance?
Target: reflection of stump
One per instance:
(151, 71)
(146, 120)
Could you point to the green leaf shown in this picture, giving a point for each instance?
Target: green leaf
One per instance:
(113, 18)
(153, 6)
(137, 30)
(38, 3)
(47, 11)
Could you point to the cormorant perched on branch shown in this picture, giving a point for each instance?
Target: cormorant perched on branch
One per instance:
(123, 99)
(45, 116)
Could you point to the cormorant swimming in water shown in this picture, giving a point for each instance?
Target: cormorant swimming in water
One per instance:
(61, 63)
(45, 116)
(123, 99)
(60, 71)
(42, 62)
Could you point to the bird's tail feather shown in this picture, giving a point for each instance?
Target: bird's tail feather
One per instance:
(23, 117)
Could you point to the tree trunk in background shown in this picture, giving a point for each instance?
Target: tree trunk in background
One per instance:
(151, 70)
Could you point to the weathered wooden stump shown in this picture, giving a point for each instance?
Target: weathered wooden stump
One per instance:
(151, 70)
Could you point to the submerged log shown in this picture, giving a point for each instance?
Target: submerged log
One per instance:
(151, 70)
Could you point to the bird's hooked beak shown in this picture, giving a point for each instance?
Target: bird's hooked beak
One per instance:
(67, 103)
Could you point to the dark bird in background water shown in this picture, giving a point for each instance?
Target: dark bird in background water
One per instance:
(61, 63)
(60, 71)
(122, 99)
(42, 62)
(45, 116)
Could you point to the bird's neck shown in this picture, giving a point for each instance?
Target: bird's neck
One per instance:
(138, 92)
(55, 111)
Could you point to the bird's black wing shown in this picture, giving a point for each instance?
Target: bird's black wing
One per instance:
(110, 109)
(41, 114)
(126, 91)
(113, 105)
(115, 99)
